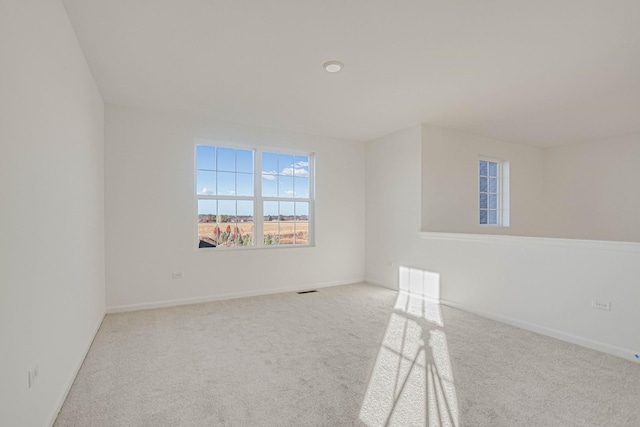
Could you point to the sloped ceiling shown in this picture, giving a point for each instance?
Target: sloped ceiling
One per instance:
(532, 72)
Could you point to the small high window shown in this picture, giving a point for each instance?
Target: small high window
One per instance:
(493, 192)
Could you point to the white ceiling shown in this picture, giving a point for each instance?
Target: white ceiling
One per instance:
(538, 72)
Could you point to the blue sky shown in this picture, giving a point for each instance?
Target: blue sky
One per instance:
(228, 172)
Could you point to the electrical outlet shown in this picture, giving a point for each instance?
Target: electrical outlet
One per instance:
(33, 375)
(178, 275)
(601, 305)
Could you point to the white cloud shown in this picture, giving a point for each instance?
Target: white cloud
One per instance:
(289, 192)
(297, 172)
(299, 169)
(207, 191)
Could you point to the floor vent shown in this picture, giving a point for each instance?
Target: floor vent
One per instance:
(306, 292)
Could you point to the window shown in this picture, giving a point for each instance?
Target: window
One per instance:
(493, 192)
(286, 199)
(253, 198)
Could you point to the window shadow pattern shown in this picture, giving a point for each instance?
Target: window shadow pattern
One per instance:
(412, 382)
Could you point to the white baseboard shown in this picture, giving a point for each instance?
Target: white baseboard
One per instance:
(234, 295)
(550, 332)
(381, 284)
(53, 417)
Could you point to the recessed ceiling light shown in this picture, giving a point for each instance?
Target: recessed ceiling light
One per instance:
(333, 66)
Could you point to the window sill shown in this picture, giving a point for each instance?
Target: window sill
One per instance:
(251, 248)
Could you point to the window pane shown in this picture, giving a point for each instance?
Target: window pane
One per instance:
(287, 229)
(302, 233)
(302, 211)
(285, 164)
(226, 159)
(483, 168)
(285, 186)
(270, 211)
(205, 157)
(286, 211)
(483, 185)
(207, 207)
(493, 185)
(206, 182)
(493, 169)
(301, 166)
(270, 163)
(493, 201)
(226, 221)
(226, 183)
(207, 218)
(493, 217)
(301, 187)
(245, 231)
(483, 216)
(245, 210)
(271, 234)
(227, 211)
(483, 201)
(244, 161)
(244, 184)
(287, 223)
(269, 185)
(270, 225)
(302, 223)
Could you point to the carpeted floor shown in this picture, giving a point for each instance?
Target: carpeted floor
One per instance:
(354, 355)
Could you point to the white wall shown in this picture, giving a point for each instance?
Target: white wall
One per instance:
(450, 183)
(592, 189)
(540, 284)
(150, 213)
(52, 294)
(393, 205)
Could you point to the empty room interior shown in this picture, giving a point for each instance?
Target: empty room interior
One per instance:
(319, 213)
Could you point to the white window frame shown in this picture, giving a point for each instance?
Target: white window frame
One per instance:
(503, 192)
(257, 198)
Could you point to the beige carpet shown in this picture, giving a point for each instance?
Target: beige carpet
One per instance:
(350, 355)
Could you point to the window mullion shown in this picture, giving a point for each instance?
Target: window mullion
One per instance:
(284, 199)
(221, 197)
